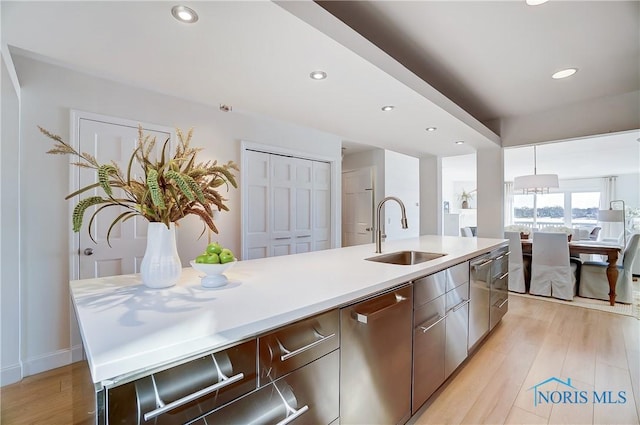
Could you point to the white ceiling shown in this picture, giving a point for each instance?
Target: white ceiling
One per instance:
(492, 58)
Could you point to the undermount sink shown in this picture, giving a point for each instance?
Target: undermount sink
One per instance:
(406, 258)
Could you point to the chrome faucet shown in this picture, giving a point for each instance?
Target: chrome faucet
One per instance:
(403, 221)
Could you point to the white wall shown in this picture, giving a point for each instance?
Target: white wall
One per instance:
(628, 189)
(490, 194)
(402, 180)
(431, 197)
(10, 367)
(48, 94)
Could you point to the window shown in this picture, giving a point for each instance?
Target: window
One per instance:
(569, 209)
(550, 208)
(584, 208)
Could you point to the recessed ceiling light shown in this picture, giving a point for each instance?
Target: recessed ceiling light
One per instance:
(564, 73)
(184, 14)
(460, 142)
(388, 108)
(431, 128)
(318, 75)
(536, 2)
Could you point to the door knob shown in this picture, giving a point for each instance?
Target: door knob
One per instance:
(88, 251)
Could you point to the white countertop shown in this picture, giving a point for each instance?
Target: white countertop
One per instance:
(128, 328)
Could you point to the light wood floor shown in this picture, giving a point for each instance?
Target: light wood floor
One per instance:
(535, 341)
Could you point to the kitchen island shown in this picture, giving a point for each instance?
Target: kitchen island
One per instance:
(128, 329)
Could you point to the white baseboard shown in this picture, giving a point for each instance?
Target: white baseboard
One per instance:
(34, 365)
(10, 374)
(47, 362)
(77, 353)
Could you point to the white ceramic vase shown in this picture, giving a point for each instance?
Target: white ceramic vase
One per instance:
(161, 265)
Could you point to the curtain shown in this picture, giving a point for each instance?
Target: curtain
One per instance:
(508, 203)
(608, 194)
(607, 191)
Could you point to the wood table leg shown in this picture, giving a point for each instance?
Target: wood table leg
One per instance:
(612, 275)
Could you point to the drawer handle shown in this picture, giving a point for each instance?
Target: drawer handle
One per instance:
(365, 318)
(426, 328)
(284, 238)
(477, 266)
(459, 305)
(304, 236)
(288, 354)
(503, 303)
(500, 257)
(294, 416)
(163, 408)
(503, 276)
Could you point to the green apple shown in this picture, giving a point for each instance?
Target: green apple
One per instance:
(214, 248)
(201, 258)
(226, 256)
(212, 259)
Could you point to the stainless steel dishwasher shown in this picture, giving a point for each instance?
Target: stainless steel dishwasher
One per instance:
(375, 359)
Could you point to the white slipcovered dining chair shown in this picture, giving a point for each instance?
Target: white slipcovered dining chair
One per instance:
(593, 276)
(516, 264)
(466, 232)
(551, 272)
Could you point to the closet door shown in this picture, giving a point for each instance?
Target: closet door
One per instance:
(303, 200)
(321, 205)
(288, 205)
(257, 235)
(282, 212)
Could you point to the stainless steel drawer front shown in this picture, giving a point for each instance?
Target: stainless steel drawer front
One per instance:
(499, 299)
(429, 288)
(308, 395)
(457, 275)
(457, 328)
(428, 351)
(457, 296)
(184, 392)
(296, 345)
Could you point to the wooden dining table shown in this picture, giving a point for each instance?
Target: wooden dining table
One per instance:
(589, 247)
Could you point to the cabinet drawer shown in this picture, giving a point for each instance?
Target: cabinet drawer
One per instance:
(457, 275)
(428, 351)
(457, 296)
(499, 299)
(426, 314)
(184, 392)
(298, 344)
(500, 264)
(429, 287)
(310, 395)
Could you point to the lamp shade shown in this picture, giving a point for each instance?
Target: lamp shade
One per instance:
(611, 216)
(535, 182)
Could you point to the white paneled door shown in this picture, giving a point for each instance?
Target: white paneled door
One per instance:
(287, 205)
(357, 207)
(110, 141)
